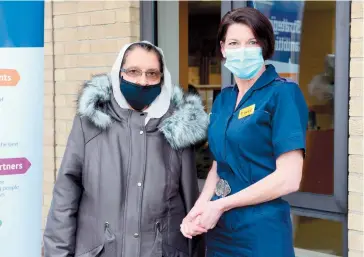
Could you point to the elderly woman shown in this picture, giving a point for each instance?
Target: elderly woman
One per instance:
(128, 175)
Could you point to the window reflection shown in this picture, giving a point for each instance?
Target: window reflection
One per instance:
(316, 79)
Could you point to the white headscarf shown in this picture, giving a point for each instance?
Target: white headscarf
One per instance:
(160, 105)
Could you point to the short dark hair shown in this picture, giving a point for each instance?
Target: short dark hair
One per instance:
(147, 47)
(256, 21)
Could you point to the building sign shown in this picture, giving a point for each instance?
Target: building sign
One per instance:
(286, 18)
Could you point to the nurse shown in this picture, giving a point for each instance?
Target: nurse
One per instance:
(257, 136)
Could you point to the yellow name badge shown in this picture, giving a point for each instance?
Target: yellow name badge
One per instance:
(246, 111)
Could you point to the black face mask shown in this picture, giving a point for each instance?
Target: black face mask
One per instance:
(139, 97)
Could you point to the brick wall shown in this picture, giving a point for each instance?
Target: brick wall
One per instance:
(81, 38)
(356, 207)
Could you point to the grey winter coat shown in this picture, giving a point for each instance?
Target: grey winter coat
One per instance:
(124, 187)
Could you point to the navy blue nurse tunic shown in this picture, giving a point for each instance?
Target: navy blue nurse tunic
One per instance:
(271, 119)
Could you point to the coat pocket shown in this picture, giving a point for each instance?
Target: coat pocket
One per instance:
(95, 252)
(169, 241)
(106, 248)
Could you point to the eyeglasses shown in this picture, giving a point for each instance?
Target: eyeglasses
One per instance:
(151, 75)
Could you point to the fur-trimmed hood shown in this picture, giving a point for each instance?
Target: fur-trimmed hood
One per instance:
(187, 125)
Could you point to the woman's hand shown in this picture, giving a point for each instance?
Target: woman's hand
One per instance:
(210, 214)
(197, 209)
(192, 228)
(190, 225)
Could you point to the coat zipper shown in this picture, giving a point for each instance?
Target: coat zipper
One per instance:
(142, 181)
(157, 246)
(127, 181)
(107, 232)
(106, 226)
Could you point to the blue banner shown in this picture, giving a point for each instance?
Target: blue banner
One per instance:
(286, 18)
(21, 23)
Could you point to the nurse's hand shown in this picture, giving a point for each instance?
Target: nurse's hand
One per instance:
(191, 228)
(211, 214)
(197, 209)
(190, 225)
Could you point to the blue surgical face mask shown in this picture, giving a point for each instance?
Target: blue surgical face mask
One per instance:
(244, 62)
(137, 96)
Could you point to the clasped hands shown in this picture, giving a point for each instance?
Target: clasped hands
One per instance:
(202, 217)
